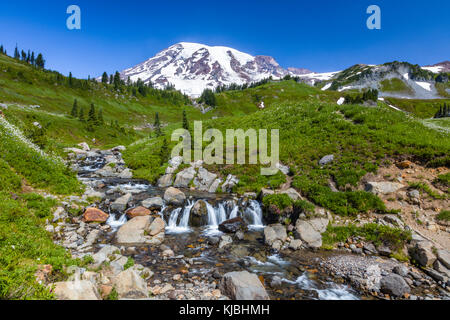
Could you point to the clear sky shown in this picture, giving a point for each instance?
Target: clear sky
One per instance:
(327, 35)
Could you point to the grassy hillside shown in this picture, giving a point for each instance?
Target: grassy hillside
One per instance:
(419, 108)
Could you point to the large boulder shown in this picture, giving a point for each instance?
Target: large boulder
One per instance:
(121, 203)
(422, 253)
(130, 285)
(184, 178)
(95, 215)
(310, 231)
(155, 203)
(137, 212)
(385, 187)
(444, 257)
(141, 230)
(204, 179)
(199, 214)
(75, 290)
(233, 225)
(103, 255)
(394, 285)
(174, 196)
(215, 185)
(156, 227)
(243, 286)
(165, 181)
(273, 233)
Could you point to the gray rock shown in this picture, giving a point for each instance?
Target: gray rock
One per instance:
(326, 160)
(401, 270)
(225, 241)
(295, 244)
(383, 187)
(292, 193)
(310, 231)
(130, 285)
(137, 231)
(422, 252)
(370, 248)
(126, 174)
(76, 290)
(214, 186)
(438, 266)
(395, 285)
(243, 286)
(384, 250)
(273, 233)
(174, 196)
(165, 181)
(184, 178)
(121, 203)
(229, 183)
(153, 203)
(444, 257)
(204, 179)
(103, 254)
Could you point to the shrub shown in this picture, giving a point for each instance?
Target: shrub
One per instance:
(444, 215)
(281, 201)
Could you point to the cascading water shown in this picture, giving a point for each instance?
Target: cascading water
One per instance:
(115, 223)
(173, 225)
(254, 214)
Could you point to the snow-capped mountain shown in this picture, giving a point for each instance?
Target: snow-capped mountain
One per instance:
(439, 67)
(193, 67)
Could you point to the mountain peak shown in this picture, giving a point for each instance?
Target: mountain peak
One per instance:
(192, 67)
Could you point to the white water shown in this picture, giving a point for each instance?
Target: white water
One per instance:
(115, 223)
(216, 215)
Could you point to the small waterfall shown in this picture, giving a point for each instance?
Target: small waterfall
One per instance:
(254, 213)
(173, 225)
(234, 212)
(115, 223)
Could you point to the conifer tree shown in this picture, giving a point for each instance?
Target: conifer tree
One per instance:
(74, 112)
(81, 116)
(100, 120)
(117, 80)
(111, 79)
(32, 60)
(157, 125)
(70, 79)
(164, 151)
(16, 53)
(185, 121)
(40, 62)
(105, 78)
(91, 117)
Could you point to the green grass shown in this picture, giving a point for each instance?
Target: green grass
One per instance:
(424, 187)
(420, 108)
(281, 201)
(395, 85)
(371, 232)
(444, 215)
(443, 179)
(24, 244)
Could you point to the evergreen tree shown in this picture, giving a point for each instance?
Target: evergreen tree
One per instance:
(40, 62)
(74, 111)
(1, 50)
(100, 120)
(16, 53)
(70, 79)
(208, 97)
(32, 60)
(24, 55)
(157, 125)
(28, 56)
(91, 117)
(117, 80)
(164, 151)
(185, 121)
(105, 78)
(81, 115)
(111, 79)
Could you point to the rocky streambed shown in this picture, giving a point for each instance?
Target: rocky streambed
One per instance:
(149, 242)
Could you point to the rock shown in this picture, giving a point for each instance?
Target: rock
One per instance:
(229, 183)
(184, 178)
(326, 160)
(292, 193)
(167, 288)
(265, 192)
(75, 290)
(121, 203)
(84, 146)
(119, 148)
(135, 231)
(168, 253)
(310, 231)
(153, 203)
(295, 244)
(233, 225)
(204, 179)
(394, 285)
(273, 233)
(438, 266)
(383, 187)
(95, 215)
(138, 212)
(102, 255)
(384, 250)
(106, 172)
(174, 196)
(404, 164)
(50, 228)
(401, 270)
(394, 220)
(414, 195)
(437, 276)
(129, 285)
(243, 286)
(126, 174)
(59, 214)
(370, 248)
(215, 185)
(422, 253)
(175, 162)
(165, 181)
(199, 214)
(224, 241)
(158, 225)
(444, 257)
(284, 169)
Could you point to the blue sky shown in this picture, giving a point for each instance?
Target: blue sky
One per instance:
(318, 35)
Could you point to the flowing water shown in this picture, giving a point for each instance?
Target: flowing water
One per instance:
(285, 276)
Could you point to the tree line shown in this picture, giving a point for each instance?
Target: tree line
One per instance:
(443, 112)
(29, 57)
(369, 95)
